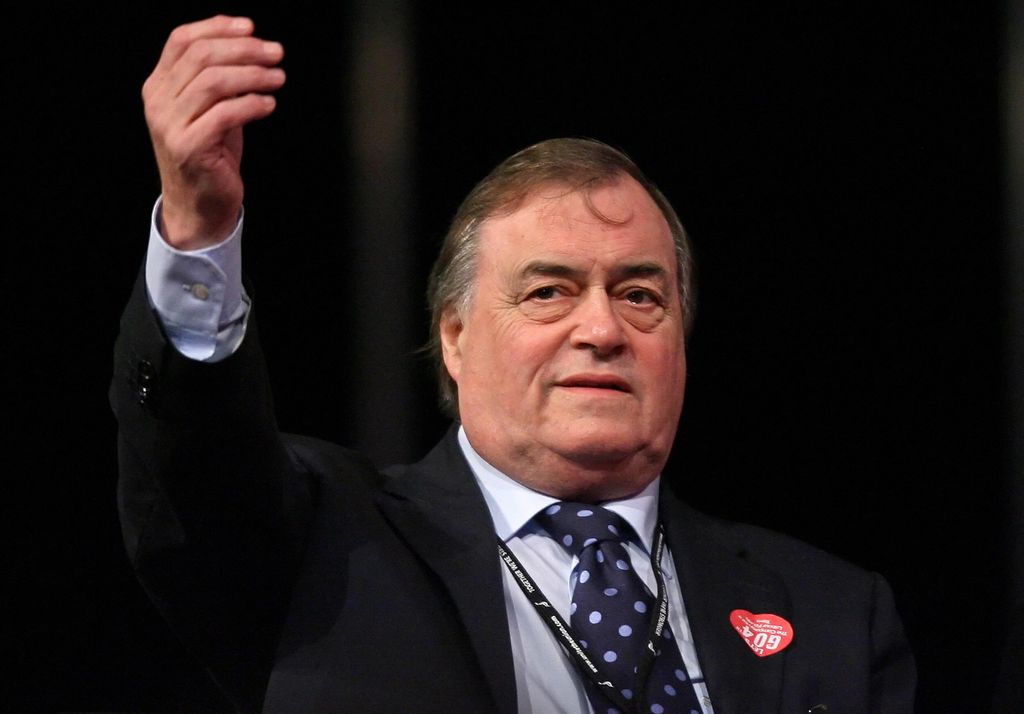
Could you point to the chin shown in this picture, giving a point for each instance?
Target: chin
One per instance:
(598, 486)
(603, 448)
(611, 457)
(592, 439)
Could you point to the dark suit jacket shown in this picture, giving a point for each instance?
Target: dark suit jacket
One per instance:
(306, 580)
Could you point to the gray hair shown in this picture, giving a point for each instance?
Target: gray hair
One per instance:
(583, 164)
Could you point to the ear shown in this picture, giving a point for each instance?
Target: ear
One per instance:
(450, 332)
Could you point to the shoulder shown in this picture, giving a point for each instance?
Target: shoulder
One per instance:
(846, 630)
(324, 459)
(785, 553)
(326, 481)
(747, 562)
(777, 552)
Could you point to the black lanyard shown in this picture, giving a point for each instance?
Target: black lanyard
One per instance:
(570, 642)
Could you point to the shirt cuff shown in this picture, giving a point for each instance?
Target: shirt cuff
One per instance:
(198, 294)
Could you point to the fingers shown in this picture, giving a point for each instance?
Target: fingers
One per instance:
(213, 86)
(222, 117)
(209, 53)
(200, 68)
(169, 113)
(182, 37)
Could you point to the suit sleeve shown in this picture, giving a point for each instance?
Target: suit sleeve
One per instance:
(893, 674)
(208, 498)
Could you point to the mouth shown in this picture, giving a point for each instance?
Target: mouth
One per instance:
(605, 382)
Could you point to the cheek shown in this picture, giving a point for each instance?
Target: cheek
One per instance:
(521, 343)
(668, 381)
(501, 352)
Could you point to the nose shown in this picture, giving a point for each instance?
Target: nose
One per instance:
(597, 326)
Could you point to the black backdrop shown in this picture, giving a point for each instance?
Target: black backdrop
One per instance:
(838, 167)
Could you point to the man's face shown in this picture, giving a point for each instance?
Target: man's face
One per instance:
(570, 359)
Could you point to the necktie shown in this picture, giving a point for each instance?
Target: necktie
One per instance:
(611, 612)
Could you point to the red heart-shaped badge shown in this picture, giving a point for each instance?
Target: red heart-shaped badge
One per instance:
(765, 634)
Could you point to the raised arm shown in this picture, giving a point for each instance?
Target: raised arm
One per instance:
(212, 79)
(207, 486)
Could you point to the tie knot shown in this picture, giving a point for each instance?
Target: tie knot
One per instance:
(578, 525)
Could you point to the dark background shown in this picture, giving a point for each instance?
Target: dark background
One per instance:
(839, 167)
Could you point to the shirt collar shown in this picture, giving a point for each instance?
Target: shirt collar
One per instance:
(512, 504)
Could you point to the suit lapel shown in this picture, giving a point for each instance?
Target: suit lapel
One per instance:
(717, 578)
(437, 506)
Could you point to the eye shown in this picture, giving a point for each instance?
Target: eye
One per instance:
(642, 307)
(547, 303)
(641, 297)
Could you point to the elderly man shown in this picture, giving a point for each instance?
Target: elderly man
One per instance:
(531, 562)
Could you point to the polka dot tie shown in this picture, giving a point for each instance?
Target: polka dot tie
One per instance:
(611, 611)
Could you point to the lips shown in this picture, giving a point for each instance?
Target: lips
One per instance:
(595, 381)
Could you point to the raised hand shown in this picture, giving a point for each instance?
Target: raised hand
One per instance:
(212, 79)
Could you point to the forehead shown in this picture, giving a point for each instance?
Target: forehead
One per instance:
(616, 219)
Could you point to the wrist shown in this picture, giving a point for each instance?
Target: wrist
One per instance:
(189, 230)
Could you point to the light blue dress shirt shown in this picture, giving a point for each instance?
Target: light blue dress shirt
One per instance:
(546, 680)
(198, 294)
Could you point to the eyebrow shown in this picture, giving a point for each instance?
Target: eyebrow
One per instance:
(554, 270)
(643, 270)
(560, 270)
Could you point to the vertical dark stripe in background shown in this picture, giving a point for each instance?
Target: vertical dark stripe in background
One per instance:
(1010, 689)
(1013, 107)
(380, 104)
